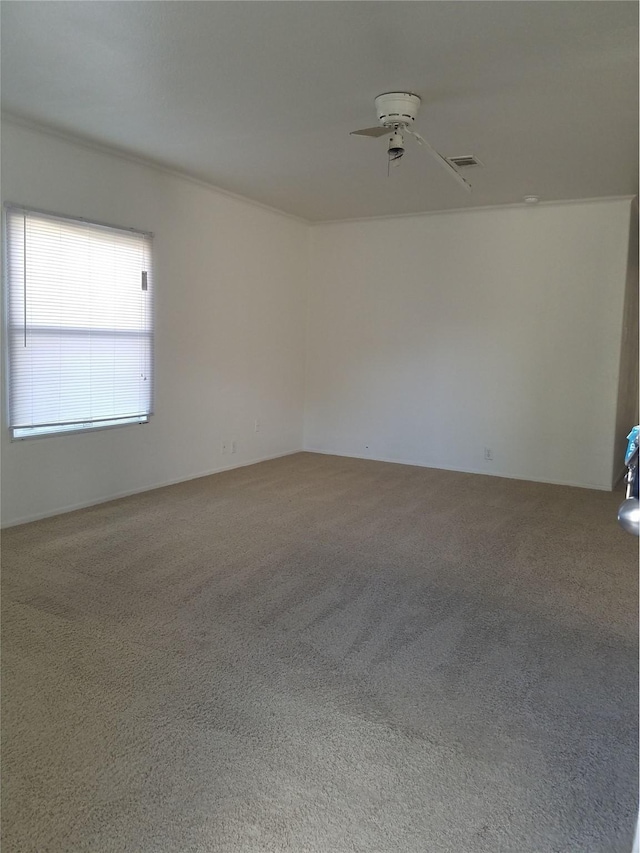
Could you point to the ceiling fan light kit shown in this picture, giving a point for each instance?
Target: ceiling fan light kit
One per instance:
(397, 113)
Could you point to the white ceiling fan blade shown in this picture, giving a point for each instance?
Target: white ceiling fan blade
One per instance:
(442, 160)
(371, 131)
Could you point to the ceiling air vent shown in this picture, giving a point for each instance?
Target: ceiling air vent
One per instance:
(464, 162)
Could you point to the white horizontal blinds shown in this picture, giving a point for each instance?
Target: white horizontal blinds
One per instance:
(80, 323)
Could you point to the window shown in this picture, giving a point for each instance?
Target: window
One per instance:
(80, 324)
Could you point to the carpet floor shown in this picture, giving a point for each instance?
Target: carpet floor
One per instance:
(323, 655)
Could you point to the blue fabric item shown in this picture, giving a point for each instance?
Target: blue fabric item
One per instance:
(632, 445)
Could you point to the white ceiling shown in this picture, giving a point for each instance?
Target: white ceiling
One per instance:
(259, 97)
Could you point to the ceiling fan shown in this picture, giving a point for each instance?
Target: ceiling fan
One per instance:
(396, 113)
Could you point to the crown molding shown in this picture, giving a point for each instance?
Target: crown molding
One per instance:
(122, 154)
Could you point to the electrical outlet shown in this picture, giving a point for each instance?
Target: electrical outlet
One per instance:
(234, 446)
(224, 447)
(488, 454)
(256, 425)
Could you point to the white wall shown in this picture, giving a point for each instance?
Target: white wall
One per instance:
(627, 415)
(230, 286)
(432, 337)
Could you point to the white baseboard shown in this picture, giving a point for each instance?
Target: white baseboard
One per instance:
(599, 488)
(219, 470)
(128, 493)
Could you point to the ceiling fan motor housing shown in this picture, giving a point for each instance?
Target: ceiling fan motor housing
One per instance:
(397, 108)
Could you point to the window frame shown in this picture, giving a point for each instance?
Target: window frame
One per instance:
(81, 427)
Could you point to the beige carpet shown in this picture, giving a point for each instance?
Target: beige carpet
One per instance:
(325, 655)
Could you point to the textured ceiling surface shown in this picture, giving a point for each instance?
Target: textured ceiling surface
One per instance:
(258, 98)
